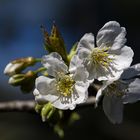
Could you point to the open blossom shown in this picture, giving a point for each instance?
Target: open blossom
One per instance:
(125, 90)
(64, 87)
(108, 60)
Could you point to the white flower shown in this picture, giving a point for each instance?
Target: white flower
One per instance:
(64, 87)
(108, 60)
(125, 90)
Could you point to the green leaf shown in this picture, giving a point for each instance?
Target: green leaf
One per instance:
(72, 51)
(55, 42)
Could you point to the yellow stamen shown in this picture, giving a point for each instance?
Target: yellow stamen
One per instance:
(65, 84)
(100, 56)
(116, 89)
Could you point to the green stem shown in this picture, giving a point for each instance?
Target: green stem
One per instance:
(40, 70)
(38, 59)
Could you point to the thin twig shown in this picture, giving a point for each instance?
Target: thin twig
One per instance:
(28, 105)
(90, 102)
(17, 105)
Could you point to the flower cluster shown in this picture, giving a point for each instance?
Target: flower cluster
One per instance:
(104, 59)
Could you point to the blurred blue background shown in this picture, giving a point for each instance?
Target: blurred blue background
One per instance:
(20, 36)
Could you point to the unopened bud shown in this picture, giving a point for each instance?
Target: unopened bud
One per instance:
(11, 69)
(18, 65)
(47, 111)
(19, 79)
(16, 79)
(38, 108)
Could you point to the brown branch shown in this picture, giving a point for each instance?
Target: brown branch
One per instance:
(17, 105)
(28, 106)
(90, 102)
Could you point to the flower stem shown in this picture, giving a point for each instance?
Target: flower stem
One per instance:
(38, 59)
(40, 70)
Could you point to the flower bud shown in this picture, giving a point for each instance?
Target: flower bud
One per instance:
(25, 81)
(16, 79)
(47, 111)
(38, 108)
(18, 65)
(19, 79)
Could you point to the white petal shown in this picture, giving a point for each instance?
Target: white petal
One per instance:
(112, 76)
(87, 42)
(77, 69)
(81, 92)
(64, 106)
(96, 71)
(111, 35)
(36, 92)
(100, 92)
(45, 85)
(45, 90)
(124, 59)
(136, 67)
(83, 53)
(131, 72)
(54, 64)
(98, 97)
(100, 73)
(74, 63)
(103, 87)
(133, 93)
(39, 98)
(85, 45)
(113, 108)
